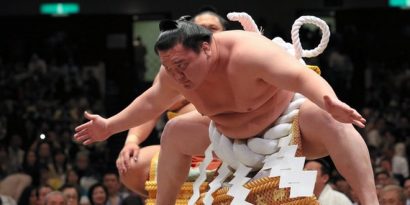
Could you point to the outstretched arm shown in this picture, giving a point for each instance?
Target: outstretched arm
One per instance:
(277, 67)
(147, 106)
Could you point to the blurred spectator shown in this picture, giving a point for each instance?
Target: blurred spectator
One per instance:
(406, 189)
(55, 198)
(323, 191)
(15, 153)
(341, 68)
(111, 180)
(383, 178)
(400, 167)
(5, 167)
(31, 167)
(98, 194)
(14, 184)
(393, 195)
(87, 175)
(133, 199)
(58, 168)
(71, 194)
(28, 196)
(42, 192)
(72, 179)
(342, 186)
(44, 154)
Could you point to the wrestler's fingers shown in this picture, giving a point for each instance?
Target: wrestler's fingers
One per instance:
(357, 116)
(88, 141)
(80, 133)
(123, 165)
(358, 123)
(90, 116)
(83, 126)
(125, 155)
(119, 166)
(81, 137)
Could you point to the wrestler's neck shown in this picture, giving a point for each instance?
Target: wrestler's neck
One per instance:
(219, 51)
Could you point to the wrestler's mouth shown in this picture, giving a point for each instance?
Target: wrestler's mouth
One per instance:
(185, 82)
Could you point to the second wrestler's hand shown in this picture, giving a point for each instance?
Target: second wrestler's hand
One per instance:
(94, 130)
(343, 112)
(128, 155)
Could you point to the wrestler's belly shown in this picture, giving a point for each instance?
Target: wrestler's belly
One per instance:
(248, 124)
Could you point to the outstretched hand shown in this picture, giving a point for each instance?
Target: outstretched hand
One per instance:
(92, 131)
(128, 154)
(343, 112)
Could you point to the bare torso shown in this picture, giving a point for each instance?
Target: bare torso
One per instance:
(241, 104)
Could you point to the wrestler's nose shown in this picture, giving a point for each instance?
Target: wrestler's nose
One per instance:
(179, 76)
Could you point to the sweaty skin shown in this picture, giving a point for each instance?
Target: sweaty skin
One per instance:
(243, 85)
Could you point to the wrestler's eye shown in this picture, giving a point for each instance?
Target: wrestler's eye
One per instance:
(182, 66)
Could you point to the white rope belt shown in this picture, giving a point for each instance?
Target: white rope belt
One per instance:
(249, 154)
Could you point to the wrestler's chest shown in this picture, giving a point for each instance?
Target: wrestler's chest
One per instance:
(229, 99)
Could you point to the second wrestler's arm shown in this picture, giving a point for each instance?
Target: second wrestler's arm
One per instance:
(140, 133)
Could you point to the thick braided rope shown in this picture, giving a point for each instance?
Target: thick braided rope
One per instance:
(250, 154)
(296, 40)
(246, 21)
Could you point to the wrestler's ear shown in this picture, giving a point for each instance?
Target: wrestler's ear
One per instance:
(206, 47)
(325, 178)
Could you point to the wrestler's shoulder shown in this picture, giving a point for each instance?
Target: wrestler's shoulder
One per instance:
(232, 34)
(240, 39)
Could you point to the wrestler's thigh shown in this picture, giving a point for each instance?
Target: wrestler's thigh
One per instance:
(188, 133)
(317, 129)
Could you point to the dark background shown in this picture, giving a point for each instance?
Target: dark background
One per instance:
(370, 29)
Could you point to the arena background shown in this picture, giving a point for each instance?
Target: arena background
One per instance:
(98, 42)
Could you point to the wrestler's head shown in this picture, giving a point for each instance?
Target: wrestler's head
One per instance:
(210, 20)
(187, 33)
(183, 48)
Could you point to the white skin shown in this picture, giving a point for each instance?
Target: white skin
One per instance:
(133, 162)
(236, 84)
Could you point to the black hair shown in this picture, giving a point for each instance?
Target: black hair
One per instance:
(325, 167)
(26, 194)
(111, 171)
(213, 12)
(190, 35)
